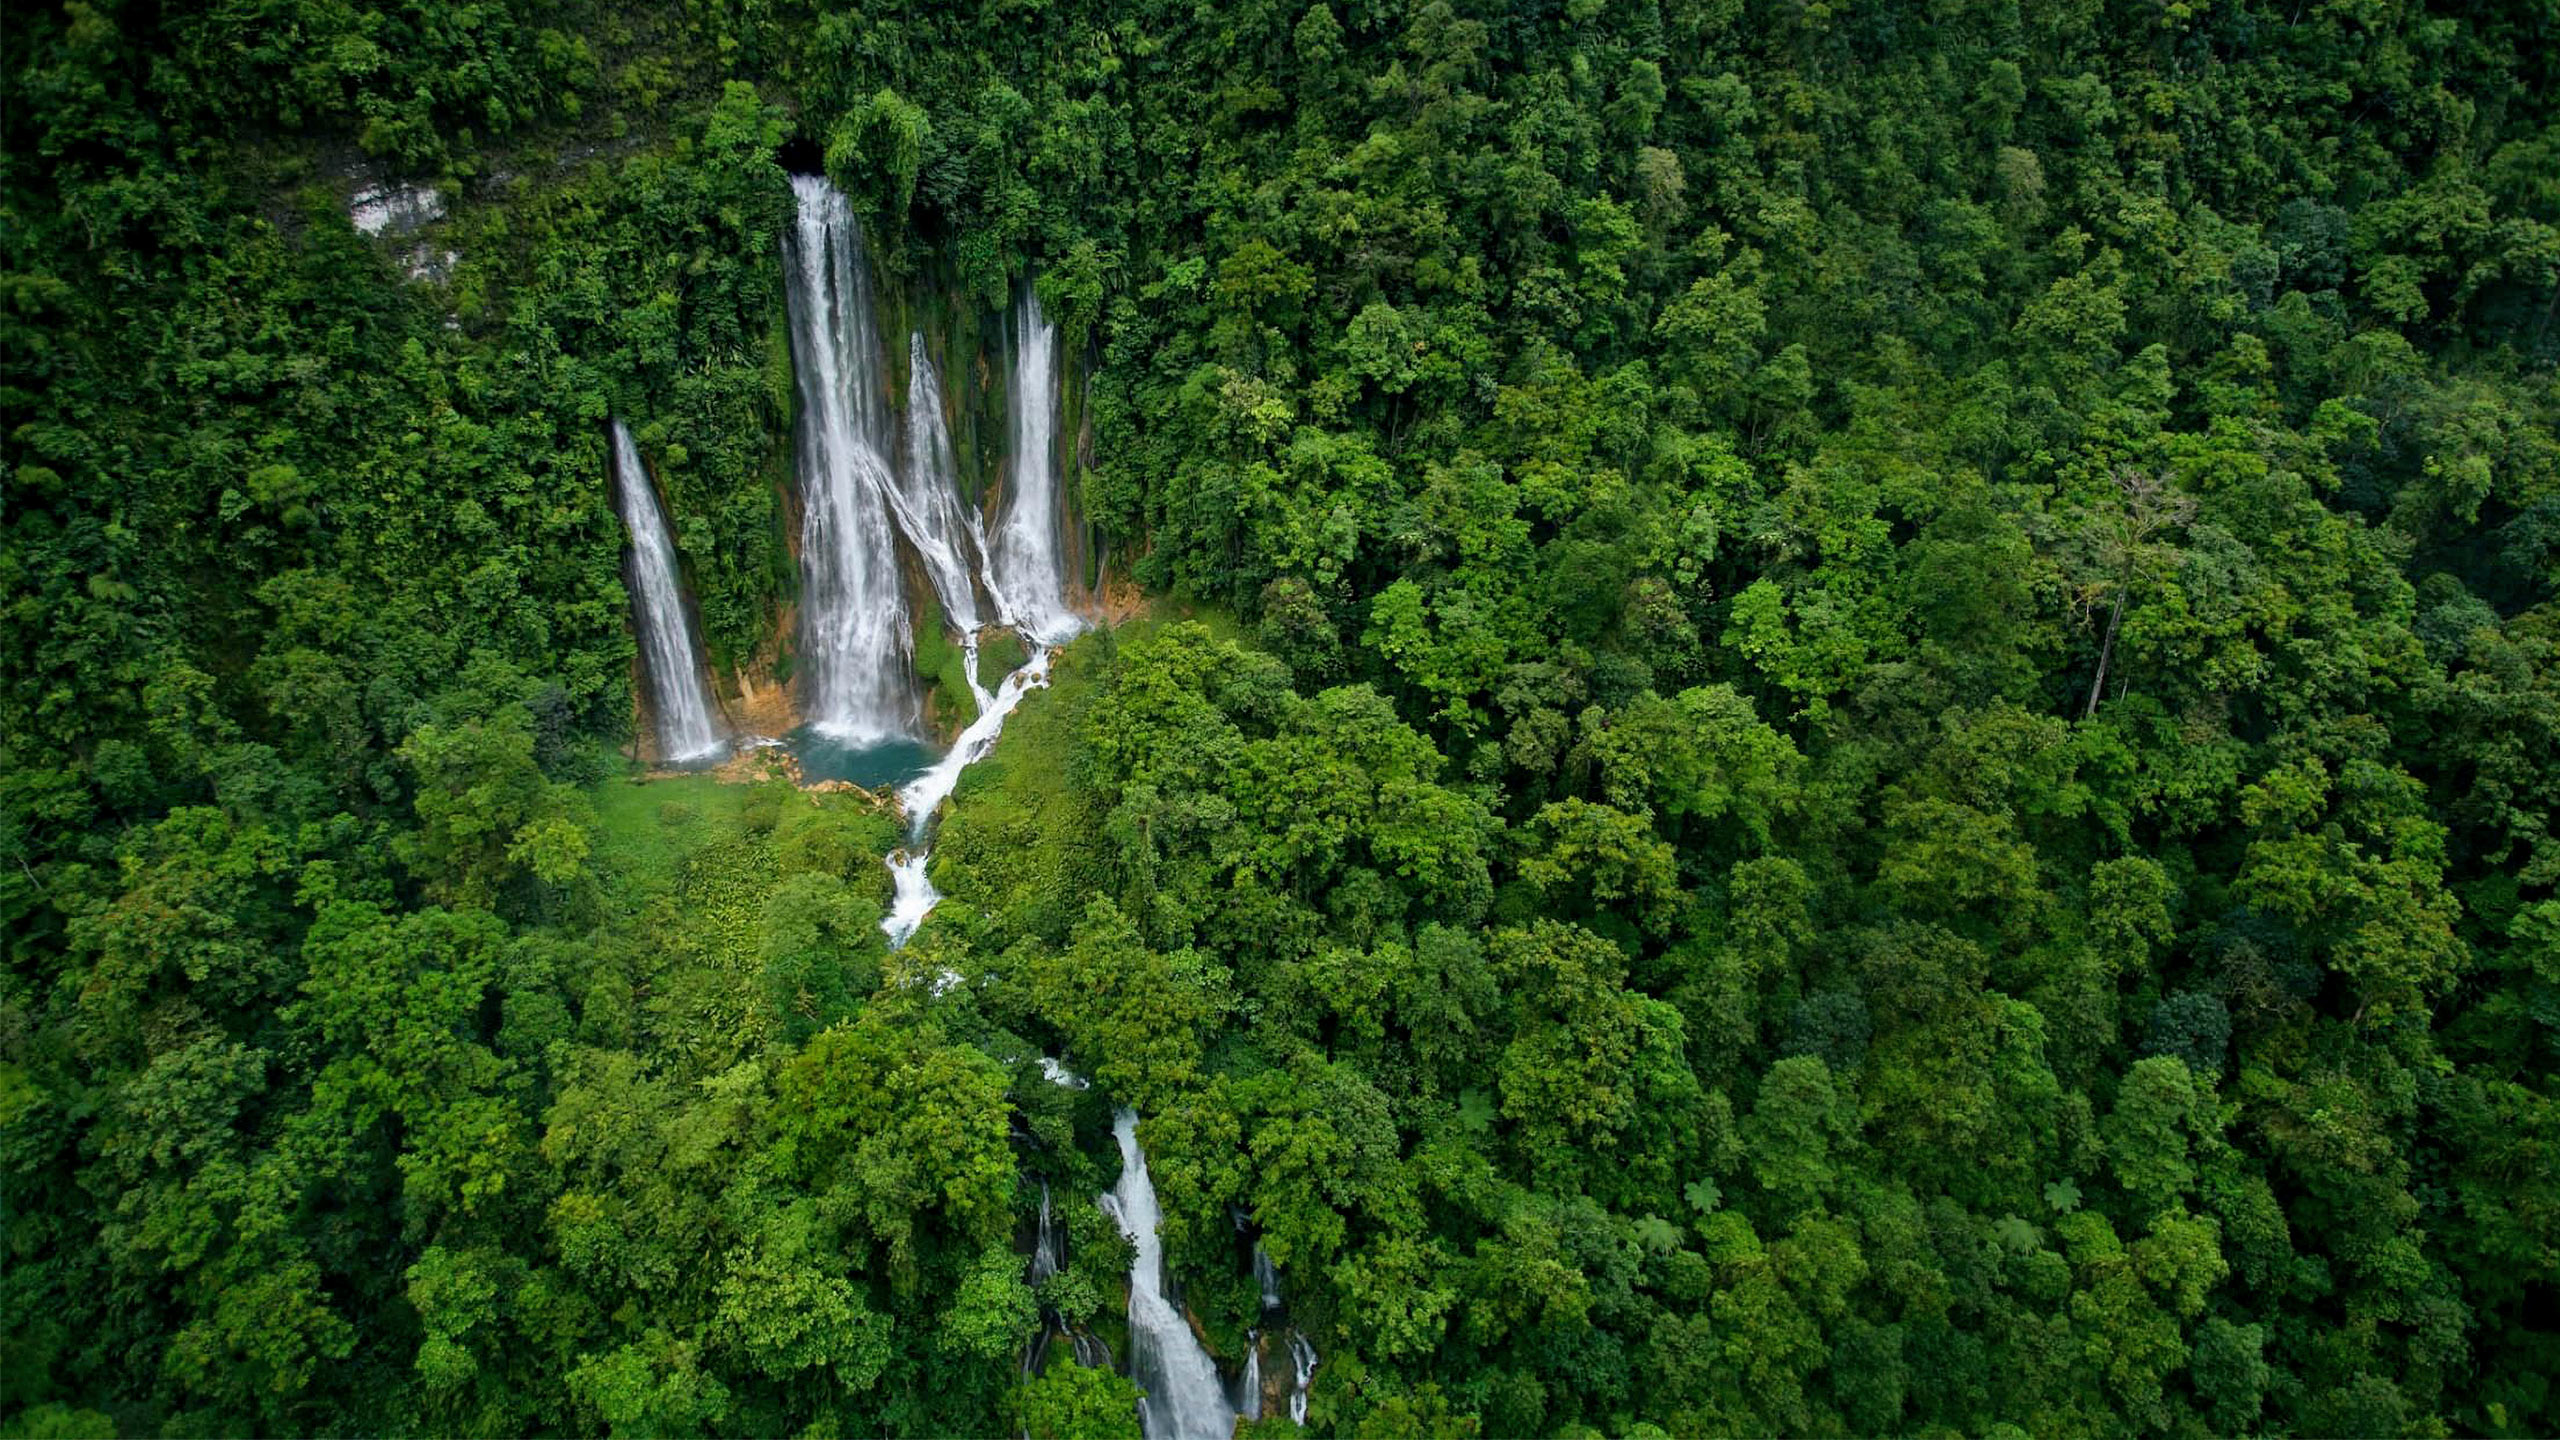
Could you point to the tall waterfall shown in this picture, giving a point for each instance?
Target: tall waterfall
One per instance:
(853, 608)
(1026, 572)
(678, 699)
(1185, 1400)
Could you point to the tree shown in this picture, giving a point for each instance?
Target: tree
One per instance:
(1076, 1402)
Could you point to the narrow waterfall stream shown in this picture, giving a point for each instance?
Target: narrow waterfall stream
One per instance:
(1025, 569)
(679, 700)
(1302, 1376)
(853, 619)
(1185, 1399)
(943, 531)
(1302, 1352)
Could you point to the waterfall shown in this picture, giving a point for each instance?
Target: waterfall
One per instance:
(1049, 1252)
(1249, 1385)
(944, 531)
(1184, 1398)
(856, 506)
(853, 607)
(678, 699)
(1302, 1362)
(927, 499)
(1025, 572)
(1267, 1276)
(1302, 1352)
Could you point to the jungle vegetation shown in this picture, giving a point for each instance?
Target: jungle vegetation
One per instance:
(1850, 723)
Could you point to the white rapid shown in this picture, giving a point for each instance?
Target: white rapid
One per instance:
(911, 894)
(678, 699)
(1302, 1362)
(1025, 571)
(853, 609)
(914, 895)
(1185, 1400)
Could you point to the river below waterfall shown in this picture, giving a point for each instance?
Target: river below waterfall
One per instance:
(912, 888)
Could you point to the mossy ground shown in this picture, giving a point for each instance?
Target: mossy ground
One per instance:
(705, 883)
(944, 665)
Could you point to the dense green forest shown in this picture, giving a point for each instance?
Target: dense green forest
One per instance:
(1843, 719)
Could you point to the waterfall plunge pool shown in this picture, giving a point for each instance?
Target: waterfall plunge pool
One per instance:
(873, 764)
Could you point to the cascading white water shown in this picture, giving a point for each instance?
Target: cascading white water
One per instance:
(856, 505)
(853, 608)
(924, 795)
(1266, 1275)
(911, 893)
(944, 531)
(1049, 1251)
(678, 699)
(1025, 570)
(914, 895)
(1185, 1400)
(1302, 1352)
(1249, 1385)
(927, 497)
(1302, 1361)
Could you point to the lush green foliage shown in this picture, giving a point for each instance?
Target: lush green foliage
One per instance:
(1889, 763)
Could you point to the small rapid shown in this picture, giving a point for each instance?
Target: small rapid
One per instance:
(912, 894)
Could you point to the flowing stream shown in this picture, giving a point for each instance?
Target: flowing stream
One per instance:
(853, 618)
(1185, 1399)
(912, 889)
(678, 699)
